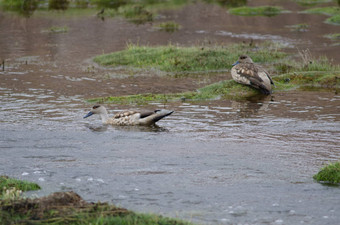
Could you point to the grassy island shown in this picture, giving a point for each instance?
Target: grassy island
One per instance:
(287, 73)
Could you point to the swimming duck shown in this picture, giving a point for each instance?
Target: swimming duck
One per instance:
(245, 71)
(129, 117)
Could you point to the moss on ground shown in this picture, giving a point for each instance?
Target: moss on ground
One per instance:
(256, 11)
(329, 174)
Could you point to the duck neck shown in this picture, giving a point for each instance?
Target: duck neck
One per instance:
(104, 116)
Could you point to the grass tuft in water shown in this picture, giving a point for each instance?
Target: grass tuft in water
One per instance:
(56, 29)
(301, 27)
(334, 37)
(172, 58)
(169, 26)
(330, 174)
(10, 183)
(256, 11)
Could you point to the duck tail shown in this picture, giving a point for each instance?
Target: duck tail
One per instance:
(160, 114)
(156, 116)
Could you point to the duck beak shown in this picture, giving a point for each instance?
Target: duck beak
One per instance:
(89, 114)
(237, 62)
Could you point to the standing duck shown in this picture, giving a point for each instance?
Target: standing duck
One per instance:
(129, 117)
(245, 71)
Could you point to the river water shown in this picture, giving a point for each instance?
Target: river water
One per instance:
(210, 162)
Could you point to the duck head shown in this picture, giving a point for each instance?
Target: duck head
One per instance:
(243, 59)
(97, 109)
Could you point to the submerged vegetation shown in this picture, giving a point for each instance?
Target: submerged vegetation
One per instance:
(65, 208)
(330, 174)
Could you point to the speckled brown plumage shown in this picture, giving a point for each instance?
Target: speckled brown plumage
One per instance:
(128, 118)
(245, 71)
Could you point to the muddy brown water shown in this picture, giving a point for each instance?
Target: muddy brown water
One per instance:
(211, 162)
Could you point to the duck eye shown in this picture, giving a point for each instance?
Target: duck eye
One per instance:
(96, 106)
(243, 57)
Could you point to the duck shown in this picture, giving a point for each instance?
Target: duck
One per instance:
(245, 71)
(129, 118)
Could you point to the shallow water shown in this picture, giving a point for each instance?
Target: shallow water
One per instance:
(212, 162)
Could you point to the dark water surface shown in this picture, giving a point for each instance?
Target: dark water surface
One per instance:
(212, 162)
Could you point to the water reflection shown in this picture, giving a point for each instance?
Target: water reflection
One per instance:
(102, 128)
(25, 8)
(58, 4)
(252, 106)
(229, 3)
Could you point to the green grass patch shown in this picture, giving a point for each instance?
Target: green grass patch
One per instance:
(176, 59)
(9, 183)
(256, 11)
(312, 2)
(329, 174)
(334, 20)
(329, 11)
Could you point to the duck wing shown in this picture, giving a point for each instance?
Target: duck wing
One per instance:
(248, 70)
(253, 74)
(124, 114)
